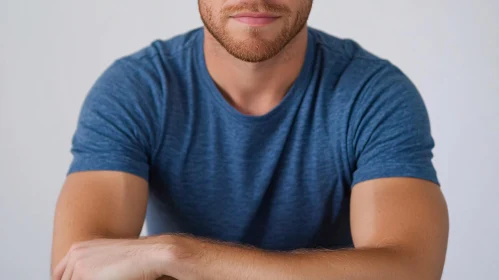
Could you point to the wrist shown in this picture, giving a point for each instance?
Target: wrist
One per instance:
(175, 255)
(157, 254)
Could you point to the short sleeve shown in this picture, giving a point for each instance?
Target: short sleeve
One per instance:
(392, 130)
(114, 130)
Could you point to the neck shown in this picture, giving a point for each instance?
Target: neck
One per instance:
(255, 88)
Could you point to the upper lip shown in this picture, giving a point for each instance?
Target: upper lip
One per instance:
(255, 15)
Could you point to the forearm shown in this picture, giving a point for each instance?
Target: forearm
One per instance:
(218, 261)
(87, 209)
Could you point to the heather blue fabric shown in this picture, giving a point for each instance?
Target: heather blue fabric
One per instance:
(279, 181)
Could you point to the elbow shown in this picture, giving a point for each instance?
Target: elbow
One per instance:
(425, 274)
(432, 271)
(409, 263)
(422, 267)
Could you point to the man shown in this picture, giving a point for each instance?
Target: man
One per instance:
(262, 149)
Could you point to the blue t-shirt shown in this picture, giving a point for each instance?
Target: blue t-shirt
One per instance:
(280, 181)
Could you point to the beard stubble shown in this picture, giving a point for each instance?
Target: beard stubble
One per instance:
(255, 48)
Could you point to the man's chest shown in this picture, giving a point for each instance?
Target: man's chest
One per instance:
(252, 184)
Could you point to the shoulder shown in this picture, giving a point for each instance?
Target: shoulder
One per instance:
(166, 49)
(128, 101)
(362, 90)
(356, 74)
(144, 77)
(161, 59)
(347, 58)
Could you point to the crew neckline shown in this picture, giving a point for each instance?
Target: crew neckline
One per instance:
(296, 91)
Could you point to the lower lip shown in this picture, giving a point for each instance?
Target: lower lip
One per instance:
(256, 21)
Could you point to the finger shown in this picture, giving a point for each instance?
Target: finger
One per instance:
(74, 255)
(59, 269)
(89, 245)
(68, 272)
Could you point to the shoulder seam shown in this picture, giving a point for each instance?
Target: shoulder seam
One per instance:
(356, 55)
(169, 55)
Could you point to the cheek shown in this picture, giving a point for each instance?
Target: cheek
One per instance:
(291, 4)
(209, 9)
(288, 3)
(206, 11)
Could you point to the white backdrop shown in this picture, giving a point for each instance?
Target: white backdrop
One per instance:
(51, 52)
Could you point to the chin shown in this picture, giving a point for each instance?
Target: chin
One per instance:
(253, 53)
(263, 32)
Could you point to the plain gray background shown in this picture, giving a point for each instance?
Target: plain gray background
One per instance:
(51, 52)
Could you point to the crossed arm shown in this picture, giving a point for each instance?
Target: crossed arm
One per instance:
(399, 227)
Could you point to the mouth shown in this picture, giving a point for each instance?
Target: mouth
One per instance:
(255, 19)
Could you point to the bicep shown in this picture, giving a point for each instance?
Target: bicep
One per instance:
(406, 213)
(105, 194)
(98, 204)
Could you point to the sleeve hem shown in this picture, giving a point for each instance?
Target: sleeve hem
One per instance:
(100, 164)
(395, 170)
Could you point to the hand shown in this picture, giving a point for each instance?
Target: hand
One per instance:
(114, 259)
